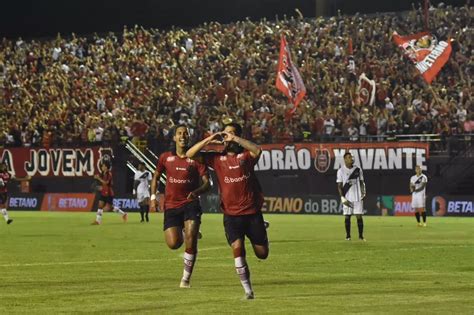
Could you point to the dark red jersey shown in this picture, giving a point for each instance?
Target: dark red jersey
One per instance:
(239, 188)
(182, 177)
(5, 177)
(106, 188)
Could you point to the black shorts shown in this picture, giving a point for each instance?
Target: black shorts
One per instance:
(251, 225)
(107, 199)
(3, 198)
(176, 217)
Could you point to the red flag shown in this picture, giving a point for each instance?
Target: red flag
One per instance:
(288, 78)
(366, 90)
(427, 53)
(350, 51)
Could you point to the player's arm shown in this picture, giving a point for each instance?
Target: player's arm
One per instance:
(254, 149)
(194, 151)
(412, 187)
(135, 186)
(362, 189)
(204, 187)
(423, 185)
(343, 198)
(101, 180)
(153, 187)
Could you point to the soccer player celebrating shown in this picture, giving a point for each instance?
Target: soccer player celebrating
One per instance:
(141, 191)
(186, 179)
(5, 177)
(106, 194)
(240, 193)
(418, 194)
(351, 187)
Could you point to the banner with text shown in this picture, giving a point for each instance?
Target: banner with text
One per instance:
(68, 202)
(28, 202)
(386, 156)
(67, 162)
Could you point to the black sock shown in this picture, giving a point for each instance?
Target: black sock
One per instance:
(348, 226)
(142, 212)
(147, 210)
(417, 215)
(360, 225)
(423, 214)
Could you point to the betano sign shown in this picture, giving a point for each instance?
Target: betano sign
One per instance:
(323, 157)
(69, 162)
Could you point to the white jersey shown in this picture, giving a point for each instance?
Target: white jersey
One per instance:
(418, 197)
(355, 192)
(144, 178)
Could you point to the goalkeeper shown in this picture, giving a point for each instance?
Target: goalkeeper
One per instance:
(351, 187)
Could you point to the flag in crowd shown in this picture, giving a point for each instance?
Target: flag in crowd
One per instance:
(427, 53)
(366, 90)
(288, 78)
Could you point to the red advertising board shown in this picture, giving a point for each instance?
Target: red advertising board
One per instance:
(402, 206)
(68, 202)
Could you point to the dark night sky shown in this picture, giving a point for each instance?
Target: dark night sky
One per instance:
(46, 17)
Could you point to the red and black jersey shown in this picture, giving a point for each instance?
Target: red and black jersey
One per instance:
(6, 177)
(239, 188)
(182, 177)
(106, 186)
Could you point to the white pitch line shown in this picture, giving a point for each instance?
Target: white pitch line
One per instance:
(90, 262)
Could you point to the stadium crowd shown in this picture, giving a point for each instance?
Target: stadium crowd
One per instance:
(139, 83)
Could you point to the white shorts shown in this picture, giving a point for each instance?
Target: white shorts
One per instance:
(142, 195)
(358, 208)
(417, 202)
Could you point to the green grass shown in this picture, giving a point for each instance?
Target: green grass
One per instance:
(57, 263)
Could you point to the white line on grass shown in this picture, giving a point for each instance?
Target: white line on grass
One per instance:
(90, 262)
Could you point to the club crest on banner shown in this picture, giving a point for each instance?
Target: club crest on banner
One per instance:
(105, 156)
(322, 160)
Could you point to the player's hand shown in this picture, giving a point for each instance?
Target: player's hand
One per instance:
(97, 177)
(215, 138)
(228, 137)
(192, 195)
(346, 202)
(134, 193)
(363, 195)
(153, 205)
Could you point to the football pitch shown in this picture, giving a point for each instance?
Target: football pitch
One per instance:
(58, 263)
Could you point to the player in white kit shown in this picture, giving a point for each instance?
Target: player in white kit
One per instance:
(351, 187)
(418, 194)
(141, 190)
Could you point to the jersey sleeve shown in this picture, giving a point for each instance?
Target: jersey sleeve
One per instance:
(160, 166)
(250, 158)
(136, 176)
(339, 177)
(202, 169)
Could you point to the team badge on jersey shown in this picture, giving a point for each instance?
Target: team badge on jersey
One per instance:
(223, 158)
(170, 158)
(322, 160)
